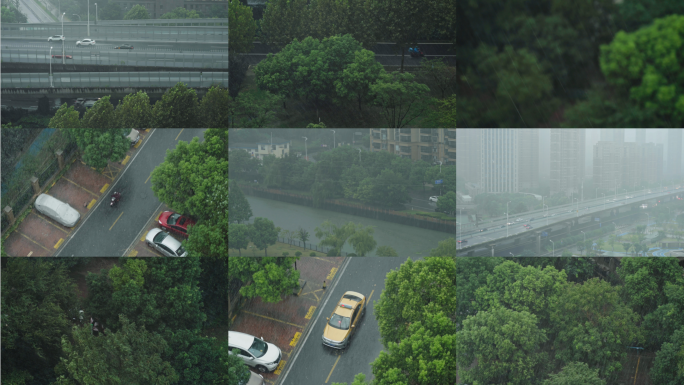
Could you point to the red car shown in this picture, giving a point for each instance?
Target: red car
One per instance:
(175, 223)
(60, 56)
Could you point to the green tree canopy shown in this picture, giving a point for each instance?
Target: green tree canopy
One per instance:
(180, 13)
(100, 115)
(645, 280)
(592, 325)
(270, 277)
(412, 291)
(501, 346)
(241, 27)
(65, 117)
(399, 97)
(668, 368)
(134, 111)
(645, 64)
(426, 356)
(264, 234)
(137, 12)
(575, 373)
(177, 108)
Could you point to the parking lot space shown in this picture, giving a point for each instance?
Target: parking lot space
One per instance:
(285, 323)
(81, 187)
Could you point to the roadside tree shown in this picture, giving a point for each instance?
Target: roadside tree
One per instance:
(177, 108)
(575, 373)
(399, 97)
(241, 27)
(386, 251)
(100, 115)
(134, 111)
(445, 248)
(412, 293)
(357, 77)
(440, 74)
(284, 21)
(239, 207)
(65, 117)
(270, 277)
(668, 368)
(238, 237)
(501, 346)
(137, 12)
(264, 234)
(180, 13)
(591, 324)
(427, 355)
(213, 109)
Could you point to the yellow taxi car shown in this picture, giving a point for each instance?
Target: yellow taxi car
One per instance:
(344, 320)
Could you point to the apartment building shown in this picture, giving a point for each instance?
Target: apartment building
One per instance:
(566, 171)
(432, 145)
(277, 147)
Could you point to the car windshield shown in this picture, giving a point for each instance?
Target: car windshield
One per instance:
(258, 348)
(339, 322)
(160, 237)
(173, 218)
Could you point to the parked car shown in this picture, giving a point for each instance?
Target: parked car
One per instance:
(79, 101)
(56, 37)
(164, 243)
(176, 223)
(254, 379)
(124, 46)
(60, 56)
(344, 320)
(85, 42)
(485, 229)
(434, 199)
(462, 241)
(255, 352)
(57, 210)
(134, 136)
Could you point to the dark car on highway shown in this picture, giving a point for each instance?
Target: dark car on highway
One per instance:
(124, 46)
(60, 56)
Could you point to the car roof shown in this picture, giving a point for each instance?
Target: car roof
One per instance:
(171, 243)
(242, 340)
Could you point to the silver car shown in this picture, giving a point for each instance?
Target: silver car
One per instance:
(57, 210)
(164, 243)
(254, 379)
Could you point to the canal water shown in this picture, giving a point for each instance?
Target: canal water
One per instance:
(408, 241)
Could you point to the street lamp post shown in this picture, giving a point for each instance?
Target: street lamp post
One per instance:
(333, 138)
(51, 67)
(63, 38)
(88, 18)
(554, 247)
(615, 235)
(95, 13)
(507, 218)
(585, 241)
(576, 211)
(306, 152)
(547, 214)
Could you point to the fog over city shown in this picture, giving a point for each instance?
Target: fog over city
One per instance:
(568, 192)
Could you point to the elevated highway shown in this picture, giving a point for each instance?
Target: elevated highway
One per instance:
(500, 239)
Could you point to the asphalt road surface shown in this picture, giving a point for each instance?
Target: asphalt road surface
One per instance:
(315, 364)
(109, 232)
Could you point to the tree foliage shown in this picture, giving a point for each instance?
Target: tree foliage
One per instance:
(415, 289)
(177, 108)
(399, 97)
(501, 346)
(645, 65)
(268, 277)
(241, 27)
(134, 111)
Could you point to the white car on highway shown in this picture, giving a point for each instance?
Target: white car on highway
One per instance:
(56, 37)
(85, 42)
(433, 199)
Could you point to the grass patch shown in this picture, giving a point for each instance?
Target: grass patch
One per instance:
(276, 250)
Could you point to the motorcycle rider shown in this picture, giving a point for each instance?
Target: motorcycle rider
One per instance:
(116, 196)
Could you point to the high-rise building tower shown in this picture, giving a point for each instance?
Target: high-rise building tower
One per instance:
(641, 135)
(468, 154)
(613, 135)
(567, 160)
(499, 160)
(674, 152)
(528, 151)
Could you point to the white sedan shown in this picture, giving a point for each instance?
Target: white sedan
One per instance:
(85, 42)
(433, 199)
(57, 210)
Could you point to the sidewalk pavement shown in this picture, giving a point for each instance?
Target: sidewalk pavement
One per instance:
(285, 322)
